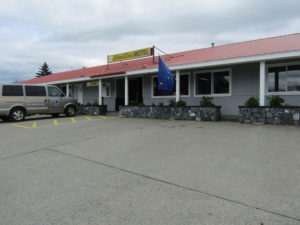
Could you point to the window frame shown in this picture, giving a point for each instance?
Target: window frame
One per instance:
(172, 96)
(286, 92)
(229, 70)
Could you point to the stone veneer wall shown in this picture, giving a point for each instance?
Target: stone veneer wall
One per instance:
(168, 112)
(270, 115)
(92, 110)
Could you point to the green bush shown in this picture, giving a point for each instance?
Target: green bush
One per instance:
(275, 100)
(153, 104)
(88, 104)
(141, 104)
(160, 104)
(252, 102)
(133, 103)
(181, 103)
(206, 101)
(95, 103)
(172, 102)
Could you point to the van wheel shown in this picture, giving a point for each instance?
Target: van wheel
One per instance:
(70, 111)
(17, 114)
(55, 115)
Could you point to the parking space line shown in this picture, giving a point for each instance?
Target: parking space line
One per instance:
(58, 123)
(22, 126)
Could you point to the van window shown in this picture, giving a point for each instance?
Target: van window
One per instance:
(54, 92)
(12, 90)
(35, 91)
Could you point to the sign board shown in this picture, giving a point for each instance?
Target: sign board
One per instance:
(92, 83)
(130, 55)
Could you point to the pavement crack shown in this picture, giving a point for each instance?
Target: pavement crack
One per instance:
(176, 185)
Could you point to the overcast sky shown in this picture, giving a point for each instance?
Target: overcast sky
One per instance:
(71, 34)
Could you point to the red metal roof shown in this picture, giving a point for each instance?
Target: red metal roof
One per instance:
(278, 44)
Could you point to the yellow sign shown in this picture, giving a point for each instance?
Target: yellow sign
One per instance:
(92, 83)
(129, 55)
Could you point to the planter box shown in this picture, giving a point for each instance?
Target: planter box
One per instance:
(170, 112)
(288, 115)
(92, 110)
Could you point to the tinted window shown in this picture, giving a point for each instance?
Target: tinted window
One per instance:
(277, 79)
(184, 84)
(35, 91)
(293, 78)
(203, 84)
(12, 90)
(221, 82)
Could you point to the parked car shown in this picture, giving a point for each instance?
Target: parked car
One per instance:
(20, 100)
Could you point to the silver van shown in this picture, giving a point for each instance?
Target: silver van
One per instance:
(20, 100)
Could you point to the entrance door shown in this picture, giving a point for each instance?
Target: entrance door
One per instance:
(135, 86)
(78, 94)
(120, 89)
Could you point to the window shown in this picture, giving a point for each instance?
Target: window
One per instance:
(54, 92)
(12, 90)
(284, 78)
(293, 78)
(184, 84)
(106, 89)
(221, 82)
(184, 87)
(276, 79)
(203, 84)
(212, 82)
(35, 90)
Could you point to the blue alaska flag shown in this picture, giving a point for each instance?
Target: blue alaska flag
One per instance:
(165, 77)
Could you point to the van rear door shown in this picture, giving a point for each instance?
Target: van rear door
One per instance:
(36, 99)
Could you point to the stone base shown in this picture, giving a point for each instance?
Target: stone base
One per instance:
(92, 110)
(286, 115)
(168, 112)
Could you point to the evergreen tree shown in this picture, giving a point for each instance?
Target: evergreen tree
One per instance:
(43, 71)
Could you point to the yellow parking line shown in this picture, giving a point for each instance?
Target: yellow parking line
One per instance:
(88, 118)
(55, 122)
(18, 125)
(73, 120)
(34, 125)
(103, 117)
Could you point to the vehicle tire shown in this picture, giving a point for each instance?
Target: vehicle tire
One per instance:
(17, 114)
(55, 115)
(70, 110)
(4, 118)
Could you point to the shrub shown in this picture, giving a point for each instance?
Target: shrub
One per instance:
(141, 104)
(153, 104)
(160, 104)
(253, 101)
(133, 103)
(88, 104)
(95, 103)
(275, 100)
(181, 103)
(206, 101)
(172, 102)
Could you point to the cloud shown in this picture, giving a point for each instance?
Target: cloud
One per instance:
(70, 34)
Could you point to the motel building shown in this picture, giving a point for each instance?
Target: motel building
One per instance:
(229, 73)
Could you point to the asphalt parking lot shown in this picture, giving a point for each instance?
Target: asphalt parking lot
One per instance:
(109, 170)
